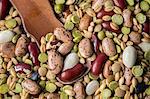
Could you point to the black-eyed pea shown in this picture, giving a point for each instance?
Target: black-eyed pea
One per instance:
(42, 71)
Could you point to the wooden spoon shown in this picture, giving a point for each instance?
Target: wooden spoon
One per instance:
(37, 16)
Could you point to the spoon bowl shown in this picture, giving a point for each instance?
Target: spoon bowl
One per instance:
(37, 16)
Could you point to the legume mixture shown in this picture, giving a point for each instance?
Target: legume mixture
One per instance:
(102, 52)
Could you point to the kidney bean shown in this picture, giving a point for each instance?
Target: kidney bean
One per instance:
(120, 3)
(102, 13)
(97, 65)
(146, 27)
(4, 4)
(21, 67)
(96, 43)
(107, 26)
(73, 73)
(106, 70)
(34, 52)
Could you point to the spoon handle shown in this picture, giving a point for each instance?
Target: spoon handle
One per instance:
(37, 16)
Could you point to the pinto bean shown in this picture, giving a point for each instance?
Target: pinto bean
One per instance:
(109, 47)
(98, 64)
(21, 46)
(7, 50)
(31, 86)
(85, 22)
(106, 70)
(65, 48)
(128, 76)
(55, 61)
(85, 48)
(135, 37)
(79, 90)
(62, 35)
(127, 18)
(73, 73)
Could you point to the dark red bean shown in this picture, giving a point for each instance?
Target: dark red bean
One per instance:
(120, 3)
(34, 52)
(96, 43)
(22, 67)
(73, 73)
(3, 8)
(146, 27)
(106, 25)
(102, 13)
(97, 65)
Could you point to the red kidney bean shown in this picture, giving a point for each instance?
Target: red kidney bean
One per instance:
(21, 67)
(96, 43)
(73, 73)
(146, 27)
(34, 52)
(102, 13)
(97, 65)
(3, 8)
(106, 25)
(120, 3)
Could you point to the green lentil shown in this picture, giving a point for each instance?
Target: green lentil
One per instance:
(147, 1)
(147, 91)
(28, 61)
(75, 19)
(130, 2)
(125, 30)
(101, 35)
(18, 88)
(75, 48)
(43, 57)
(106, 93)
(113, 85)
(144, 5)
(137, 71)
(77, 39)
(42, 83)
(92, 76)
(67, 87)
(63, 95)
(58, 8)
(15, 38)
(118, 19)
(48, 36)
(147, 55)
(76, 33)
(50, 87)
(4, 89)
(11, 23)
(68, 25)
(141, 18)
(59, 1)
